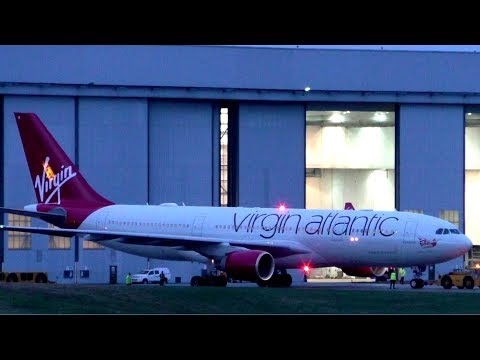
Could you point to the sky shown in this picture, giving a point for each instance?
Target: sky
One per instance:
(461, 48)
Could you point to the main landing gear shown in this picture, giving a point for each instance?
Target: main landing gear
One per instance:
(417, 282)
(280, 278)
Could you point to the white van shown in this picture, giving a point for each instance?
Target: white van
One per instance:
(151, 276)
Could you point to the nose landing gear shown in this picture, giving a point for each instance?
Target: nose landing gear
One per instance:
(417, 282)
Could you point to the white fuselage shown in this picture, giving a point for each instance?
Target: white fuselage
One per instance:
(332, 237)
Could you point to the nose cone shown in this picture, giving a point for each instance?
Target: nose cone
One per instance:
(454, 246)
(466, 243)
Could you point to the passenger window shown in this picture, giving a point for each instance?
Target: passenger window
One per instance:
(156, 272)
(439, 231)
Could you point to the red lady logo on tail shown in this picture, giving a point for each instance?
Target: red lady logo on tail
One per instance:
(51, 183)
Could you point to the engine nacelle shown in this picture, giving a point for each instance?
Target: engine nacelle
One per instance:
(366, 271)
(248, 265)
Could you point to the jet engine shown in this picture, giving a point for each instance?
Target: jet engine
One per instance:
(367, 271)
(248, 265)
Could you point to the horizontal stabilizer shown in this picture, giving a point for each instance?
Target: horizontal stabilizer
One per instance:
(39, 230)
(48, 217)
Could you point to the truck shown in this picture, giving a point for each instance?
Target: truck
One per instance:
(152, 276)
(466, 278)
(212, 278)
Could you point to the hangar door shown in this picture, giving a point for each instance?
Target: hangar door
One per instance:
(180, 152)
(431, 158)
(112, 134)
(271, 155)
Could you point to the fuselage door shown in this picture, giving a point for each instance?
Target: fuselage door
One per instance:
(198, 225)
(409, 234)
(102, 220)
(408, 243)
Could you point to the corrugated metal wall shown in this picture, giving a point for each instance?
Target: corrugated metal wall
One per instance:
(271, 155)
(181, 165)
(430, 165)
(236, 67)
(113, 157)
(113, 142)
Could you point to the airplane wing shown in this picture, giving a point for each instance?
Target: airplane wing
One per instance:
(278, 248)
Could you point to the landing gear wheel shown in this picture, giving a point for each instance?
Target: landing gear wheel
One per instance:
(221, 281)
(417, 283)
(262, 283)
(287, 280)
(277, 280)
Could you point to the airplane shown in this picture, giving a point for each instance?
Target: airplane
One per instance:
(369, 271)
(248, 243)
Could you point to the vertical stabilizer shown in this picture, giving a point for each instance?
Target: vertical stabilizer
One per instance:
(55, 177)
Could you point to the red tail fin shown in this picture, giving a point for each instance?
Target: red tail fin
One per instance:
(349, 206)
(55, 177)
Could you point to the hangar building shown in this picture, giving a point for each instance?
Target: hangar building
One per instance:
(239, 125)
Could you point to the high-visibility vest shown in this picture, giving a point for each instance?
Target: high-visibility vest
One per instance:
(393, 275)
(128, 280)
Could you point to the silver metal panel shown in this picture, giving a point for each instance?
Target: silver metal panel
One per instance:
(272, 155)
(241, 67)
(181, 165)
(431, 168)
(113, 147)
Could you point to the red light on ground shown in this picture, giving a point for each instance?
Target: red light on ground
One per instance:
(306, 268)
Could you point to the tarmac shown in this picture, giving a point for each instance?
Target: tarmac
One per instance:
(346, 284)
(361, 284)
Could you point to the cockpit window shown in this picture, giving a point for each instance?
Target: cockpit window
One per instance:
(447, 231)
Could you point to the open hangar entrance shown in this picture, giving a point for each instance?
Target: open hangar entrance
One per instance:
(349, 157)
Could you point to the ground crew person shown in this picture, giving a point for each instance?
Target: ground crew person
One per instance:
(402, 273)
(128, 279)
(393, 279)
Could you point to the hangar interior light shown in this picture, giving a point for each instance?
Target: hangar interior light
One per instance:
(380, 116)
(472, 119)
(350, 118)
(337, 118)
